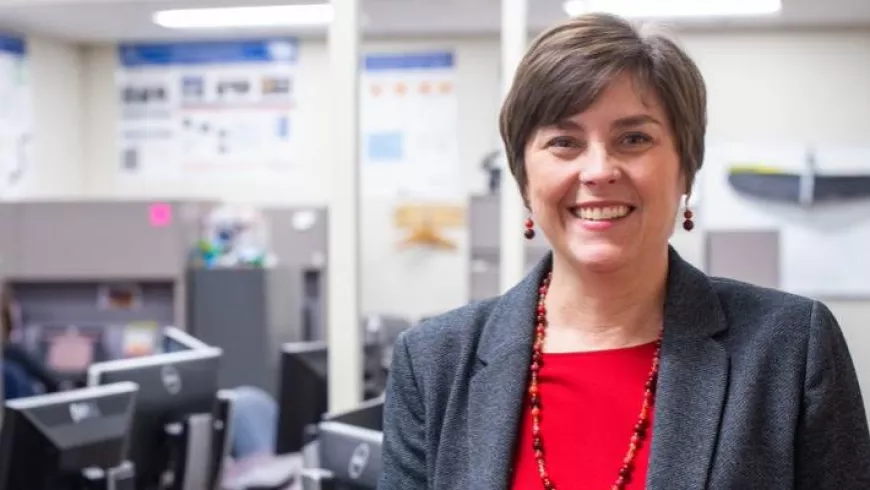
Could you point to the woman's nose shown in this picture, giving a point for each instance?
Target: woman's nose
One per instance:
(596, 168)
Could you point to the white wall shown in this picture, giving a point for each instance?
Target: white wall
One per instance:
(776, 86)
(56, 81)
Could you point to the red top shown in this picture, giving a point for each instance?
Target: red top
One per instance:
(590, 403)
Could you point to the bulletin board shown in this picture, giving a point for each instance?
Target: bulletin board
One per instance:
(409, 127)
(207, 110)
(16, 118)
(815, 201)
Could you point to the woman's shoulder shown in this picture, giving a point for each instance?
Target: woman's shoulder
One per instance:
(761, 312)
(448, 338)
(733, 292)
(457, 325)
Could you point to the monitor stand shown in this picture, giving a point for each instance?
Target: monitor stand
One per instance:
(122, 477)
(93, 479)
(221, 436)
(175, 435)
(188, 451)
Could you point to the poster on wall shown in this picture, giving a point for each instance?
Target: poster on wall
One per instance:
(16, 120)
(410, 127)
(193, 110)
(817, 198)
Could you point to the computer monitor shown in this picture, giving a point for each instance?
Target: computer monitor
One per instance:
(74, 440)
(177, 392)
(349, 446)
(303, 389)
(68, 350)
(176, 340)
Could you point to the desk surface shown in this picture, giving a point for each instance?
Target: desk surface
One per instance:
(262, 468)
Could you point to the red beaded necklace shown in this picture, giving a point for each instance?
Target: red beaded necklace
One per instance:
(640, 429)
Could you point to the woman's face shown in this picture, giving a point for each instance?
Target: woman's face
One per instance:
(605, 185)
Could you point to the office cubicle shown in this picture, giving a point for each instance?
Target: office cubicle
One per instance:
(249, 311)
(92, 262)
(72, 259)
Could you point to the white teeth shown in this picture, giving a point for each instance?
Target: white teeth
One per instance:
(602, 213)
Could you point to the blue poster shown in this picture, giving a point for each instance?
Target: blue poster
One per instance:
(405, 62)
(13, 45)
(280, 50)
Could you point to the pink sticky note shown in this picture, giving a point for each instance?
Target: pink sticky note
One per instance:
(160, 215)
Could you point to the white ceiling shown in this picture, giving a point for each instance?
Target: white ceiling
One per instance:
(111, 20)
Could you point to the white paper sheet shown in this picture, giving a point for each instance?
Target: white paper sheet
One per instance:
(215, 110)
(409, 127)
(16, 119)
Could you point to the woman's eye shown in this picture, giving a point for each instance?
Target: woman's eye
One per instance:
(636, 139)
(562, 142)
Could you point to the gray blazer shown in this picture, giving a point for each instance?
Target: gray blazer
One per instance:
(756, 391)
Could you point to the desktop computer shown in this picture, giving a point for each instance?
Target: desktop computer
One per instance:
(302, 398)
(349, 446)
(173, 426)
(177, 340)
(75, 440)
(67, 349)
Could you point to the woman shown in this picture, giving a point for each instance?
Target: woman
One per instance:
(615, 364)
(20, 368)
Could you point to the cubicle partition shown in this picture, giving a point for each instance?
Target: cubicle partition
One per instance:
(248, 312)
(485, 236)
(93, 260)
(118, 262)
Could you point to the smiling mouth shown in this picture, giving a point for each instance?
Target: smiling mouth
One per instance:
(603, 213)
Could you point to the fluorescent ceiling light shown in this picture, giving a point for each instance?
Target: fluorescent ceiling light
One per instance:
(674, 8)
(274, 16)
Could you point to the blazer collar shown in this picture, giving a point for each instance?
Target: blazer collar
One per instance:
(689, 399)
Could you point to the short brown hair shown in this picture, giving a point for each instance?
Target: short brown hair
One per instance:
(567, 67)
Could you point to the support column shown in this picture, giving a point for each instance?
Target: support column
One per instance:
(513, 44)
(343, 330)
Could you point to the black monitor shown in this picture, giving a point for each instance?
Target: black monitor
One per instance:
(176, 340)
(303, 390)
(176, 390)
(349, 446)
(74, 440)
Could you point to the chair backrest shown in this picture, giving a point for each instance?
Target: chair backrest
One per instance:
(254, 421)
(16, 382)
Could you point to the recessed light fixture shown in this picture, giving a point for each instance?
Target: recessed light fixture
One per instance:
(674, 8)
(317, 15)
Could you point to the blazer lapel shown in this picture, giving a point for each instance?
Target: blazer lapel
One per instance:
(693, 381)
(498, 387)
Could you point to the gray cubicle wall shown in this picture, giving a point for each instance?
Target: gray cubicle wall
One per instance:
(485, 235)
(249, 313)
(228, 308)
(302, 252)
(85, 244)
(750, 256)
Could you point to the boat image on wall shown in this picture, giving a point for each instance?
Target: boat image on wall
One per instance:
(805, 188)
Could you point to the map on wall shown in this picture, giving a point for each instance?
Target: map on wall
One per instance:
(816, 198)
(16, 119)
(409, 127)
(223, 109)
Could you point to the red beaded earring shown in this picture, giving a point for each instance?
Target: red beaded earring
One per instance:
(530, 229)
(688, 223)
